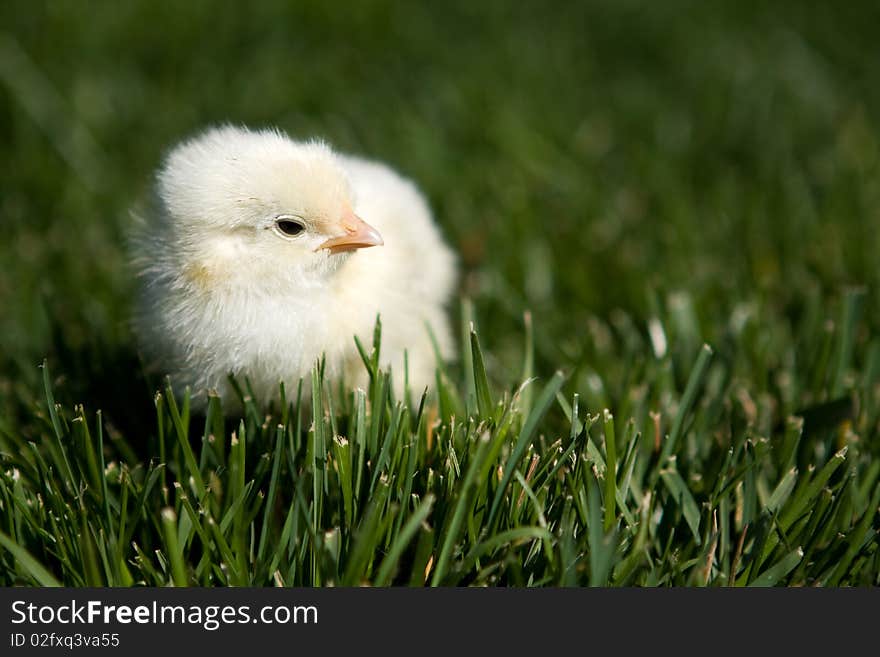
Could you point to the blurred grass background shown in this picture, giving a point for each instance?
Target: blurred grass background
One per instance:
(597, 163)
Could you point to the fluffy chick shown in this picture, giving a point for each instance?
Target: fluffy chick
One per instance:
(254, 261)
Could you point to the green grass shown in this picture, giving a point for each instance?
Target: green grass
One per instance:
(668, 219)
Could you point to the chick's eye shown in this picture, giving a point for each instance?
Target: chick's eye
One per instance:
(289, 227)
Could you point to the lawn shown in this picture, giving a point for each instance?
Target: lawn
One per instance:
(668, 223)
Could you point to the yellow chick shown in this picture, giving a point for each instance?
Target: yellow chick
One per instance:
(261, 254)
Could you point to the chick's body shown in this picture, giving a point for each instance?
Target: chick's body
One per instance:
(254, 262)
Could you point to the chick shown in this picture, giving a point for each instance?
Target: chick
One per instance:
(261, 254)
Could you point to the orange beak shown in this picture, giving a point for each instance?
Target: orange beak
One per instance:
(358, 235)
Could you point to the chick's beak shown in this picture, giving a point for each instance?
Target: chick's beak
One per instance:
(358, 234)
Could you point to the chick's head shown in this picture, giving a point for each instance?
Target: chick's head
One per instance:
(256, 212)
